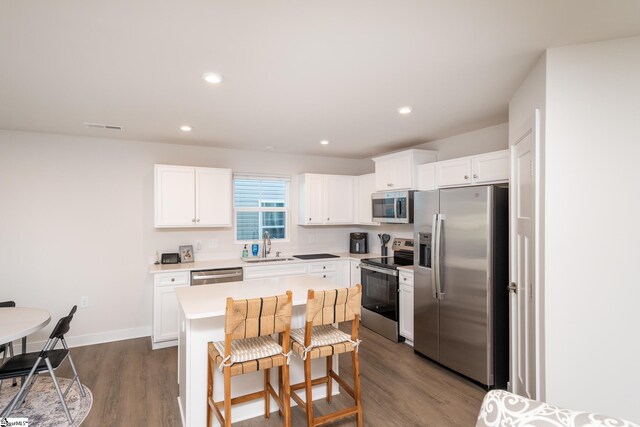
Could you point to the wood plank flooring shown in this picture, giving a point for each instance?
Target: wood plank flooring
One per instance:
(133, 385)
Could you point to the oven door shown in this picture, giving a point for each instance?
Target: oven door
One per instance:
(380, 291)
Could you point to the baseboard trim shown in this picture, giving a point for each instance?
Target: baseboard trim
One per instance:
(90, 339)
(163, 344)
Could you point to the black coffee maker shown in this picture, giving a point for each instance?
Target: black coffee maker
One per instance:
(359, 243)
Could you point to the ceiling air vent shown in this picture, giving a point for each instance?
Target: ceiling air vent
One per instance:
(101, 126)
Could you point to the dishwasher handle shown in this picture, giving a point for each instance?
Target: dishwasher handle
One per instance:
(217, 276)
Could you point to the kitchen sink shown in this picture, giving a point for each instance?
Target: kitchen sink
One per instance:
(261, 260)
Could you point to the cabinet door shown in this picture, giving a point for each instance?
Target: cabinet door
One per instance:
(491, 167)
(330, 277)
(165, 315)
(451, 173)
(314, 199)
(356, 276)
(174, 196)
(427, 177)
(213, 197)
(384, 175)
(402, 173)
(366, 185)
(339, 197)
(406, 311)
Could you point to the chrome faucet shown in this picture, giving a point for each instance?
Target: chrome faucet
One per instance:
(266, 241)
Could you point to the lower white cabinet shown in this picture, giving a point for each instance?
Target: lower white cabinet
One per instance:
(356, 274)
(406, 306)
(165, 307)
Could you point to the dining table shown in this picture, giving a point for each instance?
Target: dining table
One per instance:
(19, 322)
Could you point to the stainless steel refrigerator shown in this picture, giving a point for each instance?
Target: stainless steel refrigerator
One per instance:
(460, 281)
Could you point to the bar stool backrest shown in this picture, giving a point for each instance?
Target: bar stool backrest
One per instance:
(256, 317)
(333, 306)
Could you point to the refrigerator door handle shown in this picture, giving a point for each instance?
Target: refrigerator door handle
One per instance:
(437, 264)
(434, 259)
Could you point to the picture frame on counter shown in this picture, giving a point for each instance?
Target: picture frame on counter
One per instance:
(186, 253)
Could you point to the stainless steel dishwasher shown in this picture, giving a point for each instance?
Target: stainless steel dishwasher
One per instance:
(221, 275)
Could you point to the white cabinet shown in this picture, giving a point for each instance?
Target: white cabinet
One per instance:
(326, 199)
(427, 177)
(365, 185)
(261, 271)
(481, 169)
(356, 275)
(165, 307)
(186, 196)
(491, 167)
(398, 171)
(406, 306)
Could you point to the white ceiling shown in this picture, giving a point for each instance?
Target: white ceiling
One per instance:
(295, 71)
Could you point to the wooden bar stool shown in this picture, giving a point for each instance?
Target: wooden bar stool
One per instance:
(319, 338)
(248, 347)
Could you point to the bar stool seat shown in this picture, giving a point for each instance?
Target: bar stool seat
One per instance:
(261, 353)
(326, 340)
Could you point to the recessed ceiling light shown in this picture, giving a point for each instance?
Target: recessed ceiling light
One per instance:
(324, 142)
(186, 128)
(405, 110)
(212, 78)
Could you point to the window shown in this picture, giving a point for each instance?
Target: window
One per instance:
(261, 204)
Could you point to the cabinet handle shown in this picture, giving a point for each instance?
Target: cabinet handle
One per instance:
(198, 220)
(466, 177)
(327, 219)
(193, 220)
(324, 276)
(324, 267)
(404, 278)
(475, 176)
(173, 279)
(309, 219)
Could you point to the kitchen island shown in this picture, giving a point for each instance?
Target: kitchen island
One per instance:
(202, 310)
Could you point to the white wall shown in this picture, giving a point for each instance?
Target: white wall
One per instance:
(592, 227)
(479, 141)
(76, 219)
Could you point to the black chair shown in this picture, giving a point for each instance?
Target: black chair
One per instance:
(47, 360)
(7, 347)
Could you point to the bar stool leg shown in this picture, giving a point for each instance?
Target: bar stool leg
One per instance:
(209, 391)
(285, 394)
(267, 395)
(356, 386)
(308, 391)
(227, 396)
(329, 379)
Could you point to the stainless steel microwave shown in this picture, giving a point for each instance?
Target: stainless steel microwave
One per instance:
(392, 207)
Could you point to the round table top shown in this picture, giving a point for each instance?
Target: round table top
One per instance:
(18, 322)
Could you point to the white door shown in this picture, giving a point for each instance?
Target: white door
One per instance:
(523, 293)
(213, 197)
(175, 196)
(339, 199)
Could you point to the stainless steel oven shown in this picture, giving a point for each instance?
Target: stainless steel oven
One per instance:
(392, 207)
(379, 278)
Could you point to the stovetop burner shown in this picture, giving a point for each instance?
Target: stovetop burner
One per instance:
(402, 255)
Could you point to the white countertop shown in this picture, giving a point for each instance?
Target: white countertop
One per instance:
(236, 262)
(199, 302)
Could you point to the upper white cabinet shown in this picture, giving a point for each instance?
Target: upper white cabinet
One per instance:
(481, 169)
(326, 199)
(365, 185)
(187, 196)
(427, 177)
(399, 171)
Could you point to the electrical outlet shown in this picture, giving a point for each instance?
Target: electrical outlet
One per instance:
(198, 245)
(84, 302)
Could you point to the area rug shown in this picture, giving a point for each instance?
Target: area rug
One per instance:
(43, 408)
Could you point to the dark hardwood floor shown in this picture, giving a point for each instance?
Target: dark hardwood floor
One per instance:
(133, 385)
